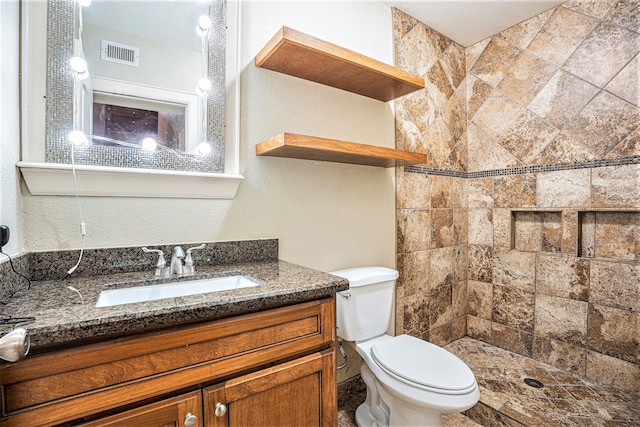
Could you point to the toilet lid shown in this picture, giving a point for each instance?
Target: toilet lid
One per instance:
(423, 363)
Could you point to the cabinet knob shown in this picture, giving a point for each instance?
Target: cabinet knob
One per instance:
(190, 420)
(221, 410)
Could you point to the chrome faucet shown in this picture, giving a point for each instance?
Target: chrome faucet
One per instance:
(176, 266)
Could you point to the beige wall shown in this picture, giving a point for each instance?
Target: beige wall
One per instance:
(326, 215)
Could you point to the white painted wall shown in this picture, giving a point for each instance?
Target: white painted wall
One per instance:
(10, 202)
(326, 215)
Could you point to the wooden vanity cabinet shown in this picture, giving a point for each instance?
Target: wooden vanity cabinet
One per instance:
(275, 367)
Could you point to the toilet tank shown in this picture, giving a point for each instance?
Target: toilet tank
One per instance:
(364, 310)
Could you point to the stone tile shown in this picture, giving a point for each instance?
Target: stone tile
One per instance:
(513, 307)
(460, 262)
(414, 310)
(459, 193)
(615, 372)
(527, 136)
(502, 228)
(480, 193)
(458, 420)
(437, 85)
(487, 416)
(561, 189)
(514, 340)
(560, 354)
(408, 137)
(415, 113)
(496, 114)
(455, 117)
(441, 189)
(413, 190)
(563, 149)
(480, 227)
(477, 92)
(480, 299)
(603, 123)
(595, 8)
(453, 64)
(522, 34)
(561, 319)
(618, 235)
(570, 232)
(460, 226)
(616, 186)
(414, 270)
(486, 154)
(562, 276)
(445, 334)
(514, 191)
(630, 146)
(626, 13)
(479, 328)
(615, 284)
(440, 306)
(625, 84)
(480, 263)
(561, 35)
(614, 332)
(495, 60)
(416, 52)
(603, 54)
(473, 52)
(551, 231)
(527, 231)
(442, 228)
(527, 77)
(441, 271)
(514, 269)
(562, 98)
(587, 234)
(414, 226)
(439, 144)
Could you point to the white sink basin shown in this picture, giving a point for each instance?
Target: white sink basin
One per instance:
(120, 296)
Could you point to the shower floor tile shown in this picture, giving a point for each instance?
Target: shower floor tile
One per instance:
(564, 400)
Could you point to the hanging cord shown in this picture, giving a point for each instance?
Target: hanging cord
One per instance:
(15, 292)
(83, 229)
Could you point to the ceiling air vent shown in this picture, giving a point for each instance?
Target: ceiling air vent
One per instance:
(120, 53)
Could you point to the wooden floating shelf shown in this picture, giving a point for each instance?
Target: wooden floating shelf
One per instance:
(300, 55)
(296, 146)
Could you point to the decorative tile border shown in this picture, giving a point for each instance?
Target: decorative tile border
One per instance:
(632, 160)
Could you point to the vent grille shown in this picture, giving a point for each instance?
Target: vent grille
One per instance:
(119, 53)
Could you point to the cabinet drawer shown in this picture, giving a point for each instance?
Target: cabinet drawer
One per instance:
(97, 377)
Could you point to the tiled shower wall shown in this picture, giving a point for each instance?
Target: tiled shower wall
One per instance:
(545, 170)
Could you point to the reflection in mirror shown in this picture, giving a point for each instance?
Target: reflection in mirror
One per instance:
(155, 72)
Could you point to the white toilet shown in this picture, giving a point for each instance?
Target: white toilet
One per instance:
(410, 382)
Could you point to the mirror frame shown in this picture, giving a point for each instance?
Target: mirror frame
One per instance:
(52, 178)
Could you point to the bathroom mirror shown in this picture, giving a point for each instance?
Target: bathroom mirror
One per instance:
(145, 59)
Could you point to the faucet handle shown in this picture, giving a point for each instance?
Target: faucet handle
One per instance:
(189, 265)
(161, 265)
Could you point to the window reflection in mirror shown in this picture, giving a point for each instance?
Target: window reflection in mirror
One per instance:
(145, 59)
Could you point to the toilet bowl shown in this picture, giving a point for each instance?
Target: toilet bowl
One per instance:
(410, 382)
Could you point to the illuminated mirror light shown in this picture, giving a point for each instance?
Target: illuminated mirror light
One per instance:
(78, 138)
(148, 144)
(204, 23)
(204, 86)
(79, 67)
(203, 148)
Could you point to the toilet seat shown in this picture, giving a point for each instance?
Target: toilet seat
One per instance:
(423, 365)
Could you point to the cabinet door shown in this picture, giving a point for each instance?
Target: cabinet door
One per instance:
(298, 393)
(179, 411)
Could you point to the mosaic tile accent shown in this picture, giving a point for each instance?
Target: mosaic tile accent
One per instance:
(59, 112)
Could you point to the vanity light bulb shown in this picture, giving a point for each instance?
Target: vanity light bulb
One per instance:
(203, 148)
(78, 65)
(204, 86)
(77, 138)
(84, 3)
(148, 144)
(204, 23)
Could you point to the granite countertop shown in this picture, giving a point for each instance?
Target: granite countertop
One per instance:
(62, 319)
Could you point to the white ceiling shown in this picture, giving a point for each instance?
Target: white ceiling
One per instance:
(469, 21)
